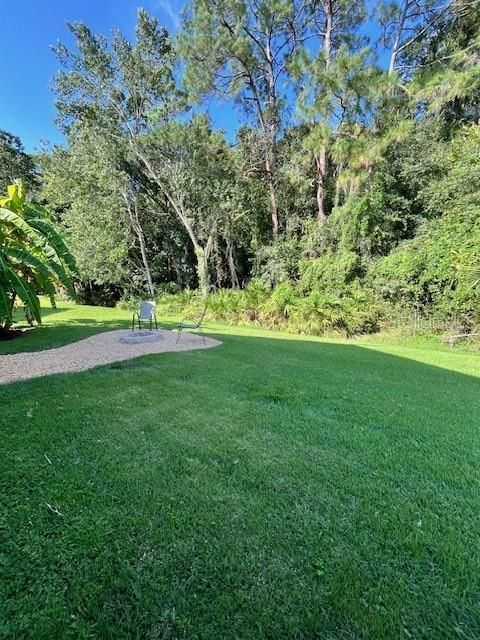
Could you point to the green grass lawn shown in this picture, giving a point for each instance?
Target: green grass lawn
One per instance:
(272, 487)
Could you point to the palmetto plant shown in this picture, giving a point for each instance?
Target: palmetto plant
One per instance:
(33, 256)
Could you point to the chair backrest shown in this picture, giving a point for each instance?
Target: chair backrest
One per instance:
(147, 310)
(203, 314)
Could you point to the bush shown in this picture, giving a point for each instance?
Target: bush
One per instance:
(284, 307)
(278, 262)
(397, 276)
(437, 272)
(332, 272)
(281, 304)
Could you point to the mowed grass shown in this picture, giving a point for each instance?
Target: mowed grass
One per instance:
(272, 487)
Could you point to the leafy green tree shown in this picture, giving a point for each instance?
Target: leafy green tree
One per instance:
(33, 256)
(405, 24)
(447, 76)
(123, 235)
(124, 91)
(240, 49)
(15, 164)
(199, 176)
(335, 84)
(438, 269)
(82, 185)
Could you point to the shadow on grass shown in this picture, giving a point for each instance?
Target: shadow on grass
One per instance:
(302, 482)
(51, 311)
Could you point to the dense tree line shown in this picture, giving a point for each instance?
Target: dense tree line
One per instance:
(350, 193)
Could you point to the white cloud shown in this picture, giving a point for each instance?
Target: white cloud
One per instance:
(170, 9)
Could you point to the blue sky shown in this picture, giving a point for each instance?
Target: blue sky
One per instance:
(27, 64)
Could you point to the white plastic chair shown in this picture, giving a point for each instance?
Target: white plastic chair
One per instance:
(145, 313)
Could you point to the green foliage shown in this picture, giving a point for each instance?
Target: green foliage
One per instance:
(396, 277)
(448, 79)
(199, 175)
(333, 272)
(281, 304)
(354, 313)
(366, 197)
(15, 164)
(82, 184)
(285, 307)
(277, 263)
(458, 183)
(33, 256)
(437, 269)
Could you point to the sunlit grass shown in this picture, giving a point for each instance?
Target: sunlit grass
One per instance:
(274, 487)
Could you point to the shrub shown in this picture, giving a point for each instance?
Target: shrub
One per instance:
(437, 271)
(284, 307)
(332, 272)
(278, 262)
(281, 304)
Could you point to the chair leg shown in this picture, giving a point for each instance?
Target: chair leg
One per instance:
(134, 317)
(156, 325)
(150, 323)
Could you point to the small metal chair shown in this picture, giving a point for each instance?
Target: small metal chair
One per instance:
(145, 313)
(191, 324)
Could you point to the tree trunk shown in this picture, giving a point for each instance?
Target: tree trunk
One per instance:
(202, 270)
(143, 250)
(321, 167)
(137, 228)
(220, 273)
(272, 128)
(270, 168)
(321, 157)
(231, 265)
(336, 201)
(398, 37)
(148, 275)
(327, 42)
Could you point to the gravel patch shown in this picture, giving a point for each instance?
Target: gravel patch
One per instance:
(96, 350)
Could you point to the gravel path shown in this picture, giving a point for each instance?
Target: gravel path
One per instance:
(99, 349)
